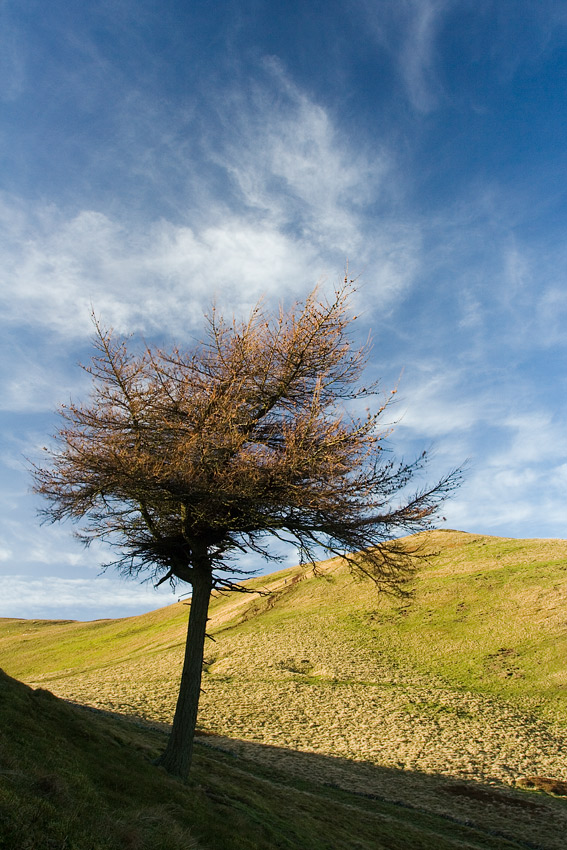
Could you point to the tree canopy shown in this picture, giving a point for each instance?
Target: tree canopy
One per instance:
(181, 459)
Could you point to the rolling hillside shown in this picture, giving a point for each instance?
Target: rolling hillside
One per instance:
(80, 779)
(466, 680)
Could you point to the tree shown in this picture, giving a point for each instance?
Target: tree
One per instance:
(181, 460)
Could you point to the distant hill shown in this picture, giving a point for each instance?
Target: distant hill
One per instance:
(467, 679)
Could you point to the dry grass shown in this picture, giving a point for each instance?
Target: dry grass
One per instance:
(465, 682)
(73, 779)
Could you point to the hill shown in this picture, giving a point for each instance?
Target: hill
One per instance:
(466, 680)
(80, 779)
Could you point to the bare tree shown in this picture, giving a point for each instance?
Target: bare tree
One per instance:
(181, 460)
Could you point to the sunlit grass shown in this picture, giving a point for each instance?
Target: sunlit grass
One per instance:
(70, 778)
(466, 679)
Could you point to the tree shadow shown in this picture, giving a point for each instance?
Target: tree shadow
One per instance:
(520, 818)
(526, 818)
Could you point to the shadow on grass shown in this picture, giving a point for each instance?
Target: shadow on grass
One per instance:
(522, 818)
(470, 812)
(83, 778)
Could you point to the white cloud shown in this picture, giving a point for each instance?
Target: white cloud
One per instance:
(159, 277)
(417, 57)
(297, 209)
(165, 275)
(50, 596)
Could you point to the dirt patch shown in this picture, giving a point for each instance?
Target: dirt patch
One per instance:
(503, 663)
(490, 797)
(544, 783)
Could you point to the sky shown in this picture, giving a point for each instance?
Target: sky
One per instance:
(157, 155)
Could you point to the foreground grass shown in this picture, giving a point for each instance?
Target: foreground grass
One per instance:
(70, 778)
(321, 680)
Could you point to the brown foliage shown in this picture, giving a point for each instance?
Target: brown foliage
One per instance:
(182, 459)
(185, 457)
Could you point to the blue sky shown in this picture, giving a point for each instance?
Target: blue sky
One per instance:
(153, 155)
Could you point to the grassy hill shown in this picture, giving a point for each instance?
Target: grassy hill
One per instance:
(323, 680)
(74, 779)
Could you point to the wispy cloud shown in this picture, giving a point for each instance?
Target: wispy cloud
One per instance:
(408, 30)
(160, 277)
(51, 596)
(417, 55)
(297, 209)
(411, 30)
(292, 164)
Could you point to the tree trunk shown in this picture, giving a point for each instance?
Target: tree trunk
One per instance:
(177, 756)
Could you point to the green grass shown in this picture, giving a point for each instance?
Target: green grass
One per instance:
(487, 616)
(324, 681)
(79, 780)
(66, 645)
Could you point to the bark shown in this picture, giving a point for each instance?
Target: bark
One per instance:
(177, 756)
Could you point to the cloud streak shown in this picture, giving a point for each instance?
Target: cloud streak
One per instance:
(86, 598)
(299, 199)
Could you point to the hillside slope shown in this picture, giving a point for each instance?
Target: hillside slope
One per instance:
(73, 778)
(467, 679)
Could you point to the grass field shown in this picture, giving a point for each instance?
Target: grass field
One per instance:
(71, 779)
(323, 681)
